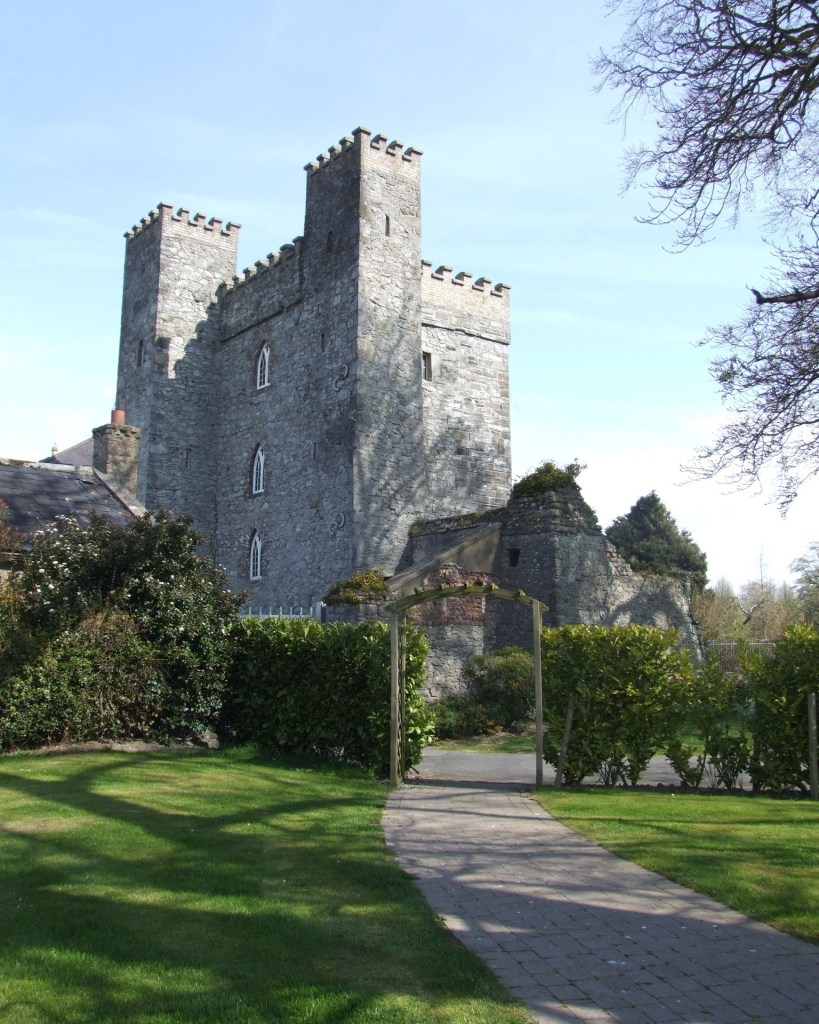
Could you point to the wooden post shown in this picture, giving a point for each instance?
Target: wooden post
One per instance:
(813, 767)
(394, 697)
(564, 745)
(401, 745)
(536, 624)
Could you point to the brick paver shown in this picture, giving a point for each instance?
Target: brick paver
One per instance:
(576, 933)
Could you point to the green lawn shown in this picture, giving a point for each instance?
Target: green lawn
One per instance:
(501, 743)
(759, 855)
(165, 888)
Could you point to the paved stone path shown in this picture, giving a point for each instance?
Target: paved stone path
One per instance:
(575, 932)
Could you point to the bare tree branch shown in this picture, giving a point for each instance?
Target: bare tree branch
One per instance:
(732, 84)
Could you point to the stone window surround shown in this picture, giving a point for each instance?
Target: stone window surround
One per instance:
(255, 562)
(263, 368)
(257, 480)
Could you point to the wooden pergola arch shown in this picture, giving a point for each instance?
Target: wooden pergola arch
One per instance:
(398, 668)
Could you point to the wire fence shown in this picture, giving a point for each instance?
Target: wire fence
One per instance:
(729, 652)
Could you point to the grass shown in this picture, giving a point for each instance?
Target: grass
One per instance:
(757, 855)
(165, 888)
(499, 743)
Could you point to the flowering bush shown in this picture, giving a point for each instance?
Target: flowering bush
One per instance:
(132, 621)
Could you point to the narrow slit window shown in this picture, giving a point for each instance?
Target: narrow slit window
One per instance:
(426, 365)
(141, 353)
(263, 368)
(387, 225)
(256, 557)
(258, 471)
(188, 458)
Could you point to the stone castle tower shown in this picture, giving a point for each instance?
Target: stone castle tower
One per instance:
(306, 413)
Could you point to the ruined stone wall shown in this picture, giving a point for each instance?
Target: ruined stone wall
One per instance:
(553, 549)
(455, 629)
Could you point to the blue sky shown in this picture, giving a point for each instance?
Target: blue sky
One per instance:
(217, 107)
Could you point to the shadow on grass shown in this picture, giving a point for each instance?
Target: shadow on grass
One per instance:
(158, 888)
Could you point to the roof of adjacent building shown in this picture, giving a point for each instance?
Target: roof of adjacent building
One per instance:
(37, 493)
(81, 454)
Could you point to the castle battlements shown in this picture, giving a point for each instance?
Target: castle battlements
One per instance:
(358, 138)
(163, 214)
(288, 252)
(444, 275)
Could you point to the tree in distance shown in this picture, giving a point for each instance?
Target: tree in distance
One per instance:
(651, 542)
(807, 583)
(732, 84)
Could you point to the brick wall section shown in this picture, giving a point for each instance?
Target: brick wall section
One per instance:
(452, 611)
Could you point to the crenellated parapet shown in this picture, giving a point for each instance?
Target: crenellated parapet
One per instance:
(274, 261)
(164, 216)
(463, 303)
(360, 138)
(461, 280)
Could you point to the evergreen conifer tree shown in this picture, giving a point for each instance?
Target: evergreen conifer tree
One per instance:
(651, 542)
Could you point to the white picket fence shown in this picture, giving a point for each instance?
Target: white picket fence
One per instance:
(317, 611)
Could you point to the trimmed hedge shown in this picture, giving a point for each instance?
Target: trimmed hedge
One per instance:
(780, 688)
(628, 685)
(306, 688)
(634, 693)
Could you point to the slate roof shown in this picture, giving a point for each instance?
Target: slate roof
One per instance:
(37, 493)
(81, 454)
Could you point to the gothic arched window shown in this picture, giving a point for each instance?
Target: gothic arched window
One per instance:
(258, 471)
(263, 368)
(255, 557)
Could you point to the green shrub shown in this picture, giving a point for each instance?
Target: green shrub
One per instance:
(779, 687)
(102, 680)
(547, 477)
(457, 718)
(366, 584)
(503, 684)
(302, 687)
(718, 710)
(171, 615)
(627, 685)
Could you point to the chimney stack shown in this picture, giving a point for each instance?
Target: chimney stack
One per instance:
(116, 451)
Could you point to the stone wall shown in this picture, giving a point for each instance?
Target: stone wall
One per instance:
(116, 454)
(174, 264)
(466, 402)
(553, 549)
(356, 446)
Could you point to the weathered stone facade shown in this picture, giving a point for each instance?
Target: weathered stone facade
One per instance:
(386, 395)
(551, 548)
(343, 406)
